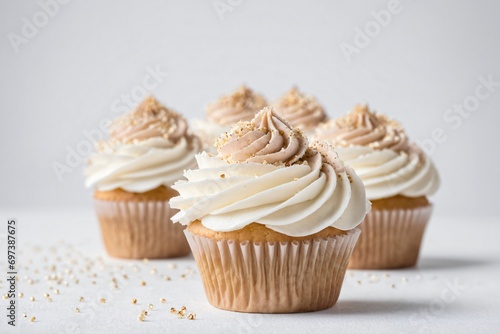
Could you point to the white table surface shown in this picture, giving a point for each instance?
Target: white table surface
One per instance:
(460, 253)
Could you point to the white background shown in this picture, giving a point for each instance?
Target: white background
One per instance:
(65, 79)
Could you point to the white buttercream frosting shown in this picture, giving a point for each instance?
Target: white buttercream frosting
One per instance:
(148, 148)
(266, 173)
(208, 131)
(381, 153)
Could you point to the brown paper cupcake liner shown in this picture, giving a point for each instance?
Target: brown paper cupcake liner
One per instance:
(390, 239)
(273, 277)
(140, 229)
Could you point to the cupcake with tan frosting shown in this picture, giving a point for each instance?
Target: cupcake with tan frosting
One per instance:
(398, 178)
(132, 172)
(300, 110)
(271, 219)
(242, 105)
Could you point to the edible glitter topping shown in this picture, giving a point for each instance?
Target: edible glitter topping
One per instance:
(300, 110)
(242, 105)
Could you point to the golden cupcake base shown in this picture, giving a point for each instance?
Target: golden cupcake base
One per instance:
(138, 225)
(272, 276)
(391, 238)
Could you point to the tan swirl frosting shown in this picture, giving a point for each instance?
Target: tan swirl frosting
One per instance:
(242, 105)
(300, 110)
(365, 128)
(266, 139)
(149, 147)
(148, 120)
(381, 153)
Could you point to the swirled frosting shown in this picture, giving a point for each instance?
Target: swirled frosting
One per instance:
(381, 153)
(265, 172)
(266, 139)
(242, 105)
(300, 110)
(148, 147)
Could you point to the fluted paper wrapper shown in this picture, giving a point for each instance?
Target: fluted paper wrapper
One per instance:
(140, 229)
(273, 277)
(390, 239)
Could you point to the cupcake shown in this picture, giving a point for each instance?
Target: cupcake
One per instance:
(271, 220)
(300, 110)
(132, 172)
(398, 178)
(242, 105)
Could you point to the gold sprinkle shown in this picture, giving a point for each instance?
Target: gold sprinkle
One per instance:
(167, 278)
(141, 317)
(173, 310)
(102, 300)
(46, 295)
(393, 286)
(191, 316)
(150, 306)
(183, 308)
(49, 299)
(77, 310)
(20, 295)
(144, 312)
(24, 315)
(125, 276)
(143, 283)
(134, 301)
(82, 299)
(163, 300)
(56, 291)
(153, 271)
(32, 299)
(32, 319)
(182, 313)
(5, 296)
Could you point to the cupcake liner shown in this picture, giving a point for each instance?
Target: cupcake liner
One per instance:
(140, 229)
(390, 239)
(273, 277)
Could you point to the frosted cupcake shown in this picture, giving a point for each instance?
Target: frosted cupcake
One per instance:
(300, 110)
(131, 174)
(242, 105)
(398, 177)
(271, 219)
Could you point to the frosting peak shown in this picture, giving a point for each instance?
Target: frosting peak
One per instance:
(267, 139)
(300, 110)
(148, 120)
(366, 128)
(239, 106)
